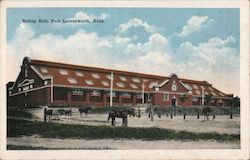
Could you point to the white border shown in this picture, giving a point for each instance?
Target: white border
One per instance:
(242, 153)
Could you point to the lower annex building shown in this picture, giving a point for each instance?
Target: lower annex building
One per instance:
(43, 83)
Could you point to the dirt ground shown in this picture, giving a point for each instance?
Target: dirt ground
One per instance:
(221, 124)
(50, 143)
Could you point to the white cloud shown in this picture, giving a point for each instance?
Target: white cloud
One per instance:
(135, 22)
(154, 56)
(215, 51)
(82, 16)
(214, 61)
(195, 24)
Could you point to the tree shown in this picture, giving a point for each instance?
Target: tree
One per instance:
(208, 99)
(234, 102)
(183, 98)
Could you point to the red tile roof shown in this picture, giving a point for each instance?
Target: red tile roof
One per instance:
(92, 77)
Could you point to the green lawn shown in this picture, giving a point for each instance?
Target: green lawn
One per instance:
(22, 113)
(17, 128)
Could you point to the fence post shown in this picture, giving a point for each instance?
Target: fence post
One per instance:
(44, 113)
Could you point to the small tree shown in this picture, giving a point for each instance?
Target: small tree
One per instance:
(234, 102)
(208, 99)
(183, 98)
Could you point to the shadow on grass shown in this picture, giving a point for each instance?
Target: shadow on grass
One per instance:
(18, 128)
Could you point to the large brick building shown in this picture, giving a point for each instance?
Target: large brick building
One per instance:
(43, 83)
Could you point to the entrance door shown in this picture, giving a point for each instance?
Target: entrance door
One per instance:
(174, 102)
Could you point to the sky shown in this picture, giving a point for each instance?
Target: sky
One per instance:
(199, 44)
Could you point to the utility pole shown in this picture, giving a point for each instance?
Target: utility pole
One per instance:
(111, 89)
(202, 97)
(143, 92)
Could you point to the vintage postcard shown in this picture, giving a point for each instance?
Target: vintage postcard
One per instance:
(125, 80)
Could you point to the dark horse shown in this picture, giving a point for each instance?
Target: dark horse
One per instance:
(84, 110)
(68, 112)
(49, 113)
(120, 114)
(205, 112)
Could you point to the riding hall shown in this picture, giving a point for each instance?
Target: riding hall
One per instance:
(50, 83)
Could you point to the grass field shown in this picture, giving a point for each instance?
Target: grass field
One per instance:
(18, 128)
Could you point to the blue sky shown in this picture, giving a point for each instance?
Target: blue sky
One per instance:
(200, 44)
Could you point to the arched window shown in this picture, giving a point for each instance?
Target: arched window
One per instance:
(174, 87)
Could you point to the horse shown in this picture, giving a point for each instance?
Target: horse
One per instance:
(205, 112)
(68, 112)
(84, 110)
(120, 114)
(49, 113)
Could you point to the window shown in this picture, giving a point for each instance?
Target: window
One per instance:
(120, 84)
(31, 86)
(95, 75)
(152, 84)
(133, 85)
(79, 74)
(108, 76)
(211, 89)
(9, 92)
(165, 96)
(220, 101)
(174, 87)
(126, 95)
(221, 94)
(19, 89)
(195, 86)
(149, 97)
(26, 88)
(214, 94)
(44, 70)
(195, 99)
(72, 80)
(78, 92)
(89, 82)
(212, 101)
(45, 82)
(188, 86)
(137, 80)
(198, 92)
(113, 94)
(138, 95)
(95, 92)
(63, 72)
(105, 83)
(26, 72)
(123, 78)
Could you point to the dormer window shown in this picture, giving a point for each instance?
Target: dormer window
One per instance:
(79, 74)
(63, 72)
(95, 75)
(136, 80)
(44, 70)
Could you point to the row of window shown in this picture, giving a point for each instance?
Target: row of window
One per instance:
(194, 99)
(25, 88)
(79, 92)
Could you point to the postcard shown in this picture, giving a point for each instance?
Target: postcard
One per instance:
(125, 80)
